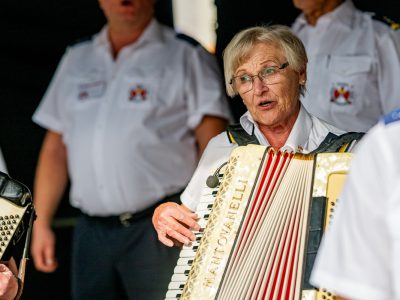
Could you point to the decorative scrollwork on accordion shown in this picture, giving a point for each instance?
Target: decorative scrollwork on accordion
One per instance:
(264, 230)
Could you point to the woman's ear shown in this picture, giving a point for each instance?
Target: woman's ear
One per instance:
(303, 75)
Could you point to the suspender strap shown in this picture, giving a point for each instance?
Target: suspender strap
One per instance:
(341, 143)
(331, 143)
(237, 135)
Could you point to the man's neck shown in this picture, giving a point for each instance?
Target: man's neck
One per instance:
(313, 16)
(124, 35)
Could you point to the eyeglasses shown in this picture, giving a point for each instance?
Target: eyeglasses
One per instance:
(269, 75)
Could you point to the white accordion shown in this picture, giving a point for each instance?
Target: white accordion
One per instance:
(261, 237)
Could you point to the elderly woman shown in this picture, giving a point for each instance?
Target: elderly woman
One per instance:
(267, 67)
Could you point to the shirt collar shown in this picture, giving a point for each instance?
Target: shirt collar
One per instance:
(298, 137)
(343, 14)
(152, 33)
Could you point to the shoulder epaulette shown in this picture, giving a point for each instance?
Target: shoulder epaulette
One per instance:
(237, 135)
(388, 21)
(392, 117)
(80, 40)
(188, 39)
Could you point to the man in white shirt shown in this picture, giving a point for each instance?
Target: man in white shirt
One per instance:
(354, 63)
(128, 114)
(359, 256)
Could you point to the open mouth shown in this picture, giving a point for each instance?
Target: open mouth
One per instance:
(126, 2)
(265, 103)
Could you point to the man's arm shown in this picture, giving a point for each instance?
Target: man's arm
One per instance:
(209, 127)
(50, 182)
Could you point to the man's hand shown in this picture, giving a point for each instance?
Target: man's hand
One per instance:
(173, 223)
(8, 283)
(43, 248)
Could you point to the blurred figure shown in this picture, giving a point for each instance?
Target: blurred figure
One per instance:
(354, 63)
(128, 113)
(359, 256)
(9, 286)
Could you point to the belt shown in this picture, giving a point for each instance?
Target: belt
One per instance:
(127, 218)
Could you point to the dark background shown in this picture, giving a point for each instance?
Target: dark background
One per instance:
(34, 36)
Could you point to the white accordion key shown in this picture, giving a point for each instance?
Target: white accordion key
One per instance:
(173, 294)
(205, 206)
(189, 253)
(184, 261)
(192, 245)
(179, 277)
(176, 285)
(182, 270)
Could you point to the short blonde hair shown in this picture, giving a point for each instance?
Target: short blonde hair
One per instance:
(235, 54)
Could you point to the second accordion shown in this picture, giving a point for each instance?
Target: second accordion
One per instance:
(265, 227)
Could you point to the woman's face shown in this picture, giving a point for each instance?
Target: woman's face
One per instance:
(271, 105)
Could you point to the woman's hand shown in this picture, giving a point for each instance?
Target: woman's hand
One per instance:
(8, 283)
(173, 223)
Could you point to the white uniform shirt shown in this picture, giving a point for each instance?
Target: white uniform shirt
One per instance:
(128, 123)
(353, 69)
(359, 257)
(307, 134)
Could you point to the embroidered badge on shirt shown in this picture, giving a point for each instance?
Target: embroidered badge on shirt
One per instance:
(94, 89)
(342, 93)
(137, 94)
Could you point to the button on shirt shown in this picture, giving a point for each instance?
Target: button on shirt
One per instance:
(359, 256)
(353, 68)
(307, 134)
(128, 123)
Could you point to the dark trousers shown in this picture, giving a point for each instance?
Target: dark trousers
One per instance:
(111, 261)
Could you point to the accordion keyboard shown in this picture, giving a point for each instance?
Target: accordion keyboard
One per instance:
(188, 253)
(10, 218)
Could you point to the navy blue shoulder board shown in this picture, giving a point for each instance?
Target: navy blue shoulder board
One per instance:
(80, 40)
(392, 116)
(394, 25)
(188, 39)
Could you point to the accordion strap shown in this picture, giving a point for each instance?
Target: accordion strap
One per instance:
(338, 143)
(331, 143)
(237, 135)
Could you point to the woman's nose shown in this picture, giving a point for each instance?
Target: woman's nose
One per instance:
(258, 85)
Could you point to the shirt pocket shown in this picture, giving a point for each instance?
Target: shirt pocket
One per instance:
(84, 91)
(140, 88)
(350, 77)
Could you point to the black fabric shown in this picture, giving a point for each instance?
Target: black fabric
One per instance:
(119, 263)
(242, 138)
(315, 230)
(332, 142)
(116, 220)
(114, 261)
